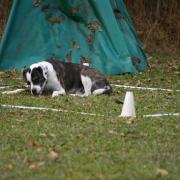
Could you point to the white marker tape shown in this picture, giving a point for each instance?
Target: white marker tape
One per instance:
(144, 88)
(160, 115)
(4, 87)
(14, 91)
(49, 109)
(81, 113)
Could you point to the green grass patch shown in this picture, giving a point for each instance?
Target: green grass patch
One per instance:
(55, 145)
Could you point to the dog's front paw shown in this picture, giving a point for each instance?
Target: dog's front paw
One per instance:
(57, 93)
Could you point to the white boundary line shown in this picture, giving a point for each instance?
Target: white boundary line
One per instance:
(16, 91)
(49, 109)
(81, 113)
(124, 86)
(145, 88)
(4, 87)
(160, 115)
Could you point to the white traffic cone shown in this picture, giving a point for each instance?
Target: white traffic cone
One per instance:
(128, 109)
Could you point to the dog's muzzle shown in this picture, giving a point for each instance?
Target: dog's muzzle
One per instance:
(36, 90)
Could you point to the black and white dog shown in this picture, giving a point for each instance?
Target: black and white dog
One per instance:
(65, 78)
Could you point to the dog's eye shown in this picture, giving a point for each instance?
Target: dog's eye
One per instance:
(28, 82)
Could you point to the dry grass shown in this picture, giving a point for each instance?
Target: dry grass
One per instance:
(4, 12)
(157, 23)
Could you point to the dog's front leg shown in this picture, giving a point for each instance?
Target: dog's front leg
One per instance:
(58, 93)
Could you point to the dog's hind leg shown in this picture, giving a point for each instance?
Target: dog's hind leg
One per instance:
(87, 84)
(99, 91)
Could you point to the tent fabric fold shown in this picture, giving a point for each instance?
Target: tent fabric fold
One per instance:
(99, 32)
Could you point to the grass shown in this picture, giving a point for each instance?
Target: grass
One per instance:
(54, 145)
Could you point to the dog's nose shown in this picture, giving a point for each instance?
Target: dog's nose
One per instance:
(34, 92)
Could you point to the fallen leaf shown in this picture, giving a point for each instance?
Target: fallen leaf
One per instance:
(112, 131)
(122, 134)
(130, 120)
(74, 44)
(52, 135)
(40, 163)
(36, 165)
(10, 166)
(32, 166)
(36, 3)
(43, 134)
(53, 155)
(90, 38)
(55, 20)
(94, 26)
(34, 144)
(161, 172)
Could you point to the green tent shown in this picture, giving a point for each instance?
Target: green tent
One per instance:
(99, 32)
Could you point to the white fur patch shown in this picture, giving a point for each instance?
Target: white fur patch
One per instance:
(58, 93)
(50, 74)
(99, 91)
(87, 83)
(28, 76)
(86, 64)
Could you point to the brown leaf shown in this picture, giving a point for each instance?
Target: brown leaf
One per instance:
(43, 134)
(53, 155)
(32, 166)
(74, 44)
(53, 20)
(130, 120)
(112, 131)
(94, 26)
(90, 38)
(41, 163)
(36, 3)
(161, 172)
(51, 135)
(75, 9)
(10, 166)
(36, 165)
(34, 144)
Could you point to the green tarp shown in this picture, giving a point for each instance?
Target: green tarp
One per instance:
(99, 32)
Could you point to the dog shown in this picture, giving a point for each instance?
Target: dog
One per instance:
(64, 78)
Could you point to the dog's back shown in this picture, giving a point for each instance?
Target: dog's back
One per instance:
(74, 77)
(68, 74)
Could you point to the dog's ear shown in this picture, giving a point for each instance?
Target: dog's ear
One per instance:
(24, 71)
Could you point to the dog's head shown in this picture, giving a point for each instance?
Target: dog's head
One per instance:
(36, 78)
